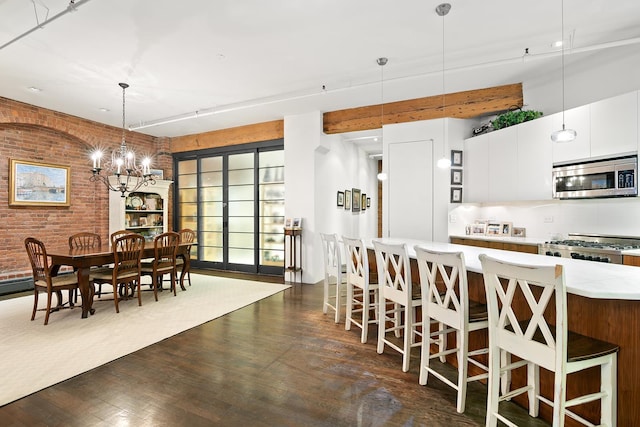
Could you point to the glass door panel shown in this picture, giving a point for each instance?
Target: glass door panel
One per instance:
(212, 209)
(188, 194)
(271, 208)
(241, 190)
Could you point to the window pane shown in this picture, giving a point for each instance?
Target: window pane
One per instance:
(212, 223)
(212, 254)
(240, 177)
(241, 209)
(211, 194)
(272, 257)
(209, 179)
(241, 192)
(211, 209)
(241, 161)
(188, 222)
(210, 238)
(241, 225)
(272, 174)
(210, 164)
(241, 240)
(188, 195)
(188, 181)
(187, 166)
(241, 256)
(271, 158)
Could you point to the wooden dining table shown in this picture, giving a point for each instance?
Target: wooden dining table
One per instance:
(82, 259)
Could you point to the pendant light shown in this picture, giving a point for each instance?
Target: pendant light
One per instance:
(444, 162)
(564, 134)
(382, 61)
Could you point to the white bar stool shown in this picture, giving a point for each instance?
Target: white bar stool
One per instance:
(395, 287)
(445, 302)
(333, 270)
(360, 287)
(541, 344)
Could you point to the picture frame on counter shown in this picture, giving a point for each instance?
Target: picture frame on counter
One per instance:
(478, 229)
(505, 228)
(340, 199)
(494, 229)
(456, 195)
(456, 157)
(519, 232)
(347, 200)
(456, 176)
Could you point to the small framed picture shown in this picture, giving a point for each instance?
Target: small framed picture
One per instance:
(347, 200)
(363, 204)
(519, 232)
(288, 223)
(494, 228)
(297, 222)
(478, 228)
(456, 176)
(340, 199)
(355, 199)
(456, 195)
(157, 173)
(456, 158)
(505, 228)
(368, 202)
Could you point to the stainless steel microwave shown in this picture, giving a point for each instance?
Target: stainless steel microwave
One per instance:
(617, 177)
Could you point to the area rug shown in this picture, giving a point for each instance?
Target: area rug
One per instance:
(35, 356)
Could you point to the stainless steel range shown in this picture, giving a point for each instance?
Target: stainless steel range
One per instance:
(591, 247)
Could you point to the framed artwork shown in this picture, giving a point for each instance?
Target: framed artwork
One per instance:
(456, 195)
(456, 176)
(519, 232)
(347, 199)
(297, 222)
(478, 228)
(368, 202)
(456, 158)
(39, 184)
(505, 228)
(157, 173)
(340, 199)
(494, 228)
(355, 199)
(363, 203)
(288, 223)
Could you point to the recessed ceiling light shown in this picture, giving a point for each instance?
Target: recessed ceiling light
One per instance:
(557, 43)
(104, 110)
(35, 89)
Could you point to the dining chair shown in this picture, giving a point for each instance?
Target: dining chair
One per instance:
(361, 287)
(333, 271)
(85, 239)
(125, 273)
(116, 234)
(184, 259)
(396, 289)
(44, 282)
(534, 338)
(165, 248)
(445, 303)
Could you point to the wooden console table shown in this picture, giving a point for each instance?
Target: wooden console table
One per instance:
(293, 251)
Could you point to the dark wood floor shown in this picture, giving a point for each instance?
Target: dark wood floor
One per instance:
(278, 362)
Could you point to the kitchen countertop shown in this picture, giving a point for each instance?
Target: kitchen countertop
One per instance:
(585, 278)
(507, 239)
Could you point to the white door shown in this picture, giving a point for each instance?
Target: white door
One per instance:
(410, 190)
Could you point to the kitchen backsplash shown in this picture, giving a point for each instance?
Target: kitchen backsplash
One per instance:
(619, 216)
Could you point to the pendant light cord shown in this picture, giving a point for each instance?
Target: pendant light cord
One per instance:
(562, 55)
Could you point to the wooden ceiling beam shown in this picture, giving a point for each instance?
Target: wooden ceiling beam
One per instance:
(266, 131)
(462, 105)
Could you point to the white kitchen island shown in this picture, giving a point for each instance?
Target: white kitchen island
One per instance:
(603, 302)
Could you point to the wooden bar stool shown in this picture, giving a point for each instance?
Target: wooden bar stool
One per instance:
(445, 302)
(541, 344)
(360, 287)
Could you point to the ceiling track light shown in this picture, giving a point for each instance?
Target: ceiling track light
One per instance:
(444, 162)
(564, 134)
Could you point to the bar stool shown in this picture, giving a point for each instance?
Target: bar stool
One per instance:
(395, 287)
(540, 344)
(360, 287)
(448, 306)
(333, 270)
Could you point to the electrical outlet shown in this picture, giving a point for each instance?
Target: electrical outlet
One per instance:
(548, 219)
(452, 218)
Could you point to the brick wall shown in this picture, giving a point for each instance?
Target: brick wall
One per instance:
(36, 134)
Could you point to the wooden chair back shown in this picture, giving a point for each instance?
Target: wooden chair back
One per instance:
(116, 234)
(165, 250)
(39, 261)
(85, 240)
(127, 254)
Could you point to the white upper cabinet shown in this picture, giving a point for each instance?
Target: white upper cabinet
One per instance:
(475, 175)
(577, 119)
(503, 164)
(614, 125)
(535, 159)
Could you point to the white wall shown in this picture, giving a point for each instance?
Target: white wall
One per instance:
(317, 166)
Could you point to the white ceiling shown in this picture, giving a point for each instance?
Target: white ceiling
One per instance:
(238, 62)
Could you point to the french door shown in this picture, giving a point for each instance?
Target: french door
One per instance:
(234, 200)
